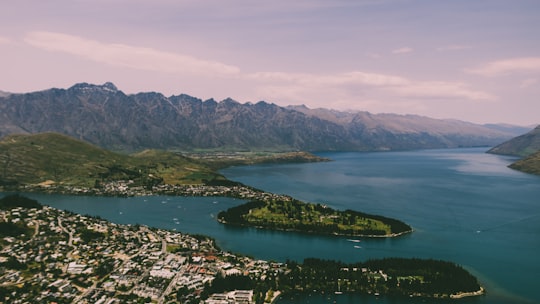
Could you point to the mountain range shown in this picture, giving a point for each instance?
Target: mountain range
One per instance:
(105, 116)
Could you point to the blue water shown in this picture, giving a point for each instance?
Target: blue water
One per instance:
(465, 206)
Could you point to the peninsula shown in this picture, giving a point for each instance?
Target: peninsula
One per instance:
(290, 214)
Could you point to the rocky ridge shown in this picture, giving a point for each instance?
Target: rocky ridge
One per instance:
(107, 117)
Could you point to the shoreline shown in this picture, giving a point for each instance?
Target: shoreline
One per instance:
(392, 235)
(461, 295)
(239, 191)
(458, 295)
(455, 296)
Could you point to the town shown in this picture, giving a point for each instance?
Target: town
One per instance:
(53, 256)
(69, 258)
(127, 188)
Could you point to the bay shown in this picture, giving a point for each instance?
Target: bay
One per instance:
(466, 206)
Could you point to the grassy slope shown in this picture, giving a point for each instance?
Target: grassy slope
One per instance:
(530, 164)
(32, 159)
(523, 145)
(52, 157)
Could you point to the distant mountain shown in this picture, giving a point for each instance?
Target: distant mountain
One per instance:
(522, 145)
(517, 130)
(105, 116)
(4, 94)
(412, 131)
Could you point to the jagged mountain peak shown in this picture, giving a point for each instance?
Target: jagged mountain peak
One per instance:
(230, 101)
(103, 115)
(107, 86)
(267, 105)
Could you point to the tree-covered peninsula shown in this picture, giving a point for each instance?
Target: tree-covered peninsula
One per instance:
(287, 213)
(393, 276)
(401, 277)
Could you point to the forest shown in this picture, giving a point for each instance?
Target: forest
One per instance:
(390, 276)
(16, 200)
(398, 276)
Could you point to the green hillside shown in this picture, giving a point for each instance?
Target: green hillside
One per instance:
(523, 145)
(530, 164)
(58, 159)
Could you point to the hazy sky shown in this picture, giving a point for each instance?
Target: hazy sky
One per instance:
(474, 60)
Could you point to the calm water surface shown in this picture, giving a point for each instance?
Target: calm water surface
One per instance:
(465, 206)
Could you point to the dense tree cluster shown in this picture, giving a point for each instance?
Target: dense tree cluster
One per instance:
(12, 229)
(222, 283)
(88, 235)
(16, 200)
(235, 215)
(398, 276)
(438, 276)
(392, 276)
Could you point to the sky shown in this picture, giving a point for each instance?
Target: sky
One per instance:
(476, 61)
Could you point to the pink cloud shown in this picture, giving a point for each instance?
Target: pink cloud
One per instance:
(507, 66)
(123, 55)
(402, 50)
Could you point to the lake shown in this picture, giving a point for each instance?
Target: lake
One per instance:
(465, 206)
